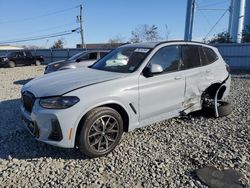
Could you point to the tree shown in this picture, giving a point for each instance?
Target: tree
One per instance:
(116, 39)
(145, 33)
(222, 37)
(58, 44)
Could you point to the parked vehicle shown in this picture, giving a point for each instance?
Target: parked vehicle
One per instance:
(133, 86)
(82, 59)
(20, 58)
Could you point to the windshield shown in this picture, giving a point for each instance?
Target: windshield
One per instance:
(124, 60)
(76, 56)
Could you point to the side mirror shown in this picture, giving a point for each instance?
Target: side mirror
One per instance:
(78, 60)
(156, 69)
(153, 69)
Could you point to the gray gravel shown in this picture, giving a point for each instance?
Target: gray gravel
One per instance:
(161, 155)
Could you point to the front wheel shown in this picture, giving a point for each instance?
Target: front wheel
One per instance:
(38, 62)
(101, 132)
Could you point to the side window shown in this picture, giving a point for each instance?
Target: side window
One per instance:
(203, 57)
(20, 54)
(84, 57)
(190, 56)
(103, 54)
(28, 54)
(168, 57)
(93, 55)
(210, 54)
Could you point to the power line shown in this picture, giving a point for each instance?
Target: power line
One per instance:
(63, 33)
(216, 24)
(204, 16)
(39, 16)
(47, 29)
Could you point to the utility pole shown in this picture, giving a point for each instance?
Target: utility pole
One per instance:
(189, 20)
(81, 29)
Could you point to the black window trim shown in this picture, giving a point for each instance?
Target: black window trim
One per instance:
(217, 57)
(198, 53)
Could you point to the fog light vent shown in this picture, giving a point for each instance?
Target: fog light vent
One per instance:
(56, 133)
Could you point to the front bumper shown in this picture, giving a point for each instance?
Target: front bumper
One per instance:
(53, 127)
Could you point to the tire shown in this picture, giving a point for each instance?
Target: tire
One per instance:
(224, 109)
(38, 62)
(101, 132)
(11, 64)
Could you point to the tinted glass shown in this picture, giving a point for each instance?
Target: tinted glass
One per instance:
(76, 56)
(168, 57)
(28, 54)
(203, 57)
(93, 55)
(123, 59)
(103, 54)
(12, 54)
(190, 56)
(211, 55)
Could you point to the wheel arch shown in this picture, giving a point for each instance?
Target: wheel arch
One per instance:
(212, 89)
(116, 106)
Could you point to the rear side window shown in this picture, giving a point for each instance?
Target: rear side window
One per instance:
(203, 57)
(190, 57)
(168, 57)
(210, 54)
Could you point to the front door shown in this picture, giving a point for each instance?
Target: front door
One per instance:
(162, 95)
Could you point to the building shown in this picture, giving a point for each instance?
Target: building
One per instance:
(9, 47)
(102, 46)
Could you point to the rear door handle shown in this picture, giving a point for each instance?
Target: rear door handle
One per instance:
(208, 71)
(178, 78)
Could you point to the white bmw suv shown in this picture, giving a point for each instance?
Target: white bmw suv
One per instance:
(132, 86)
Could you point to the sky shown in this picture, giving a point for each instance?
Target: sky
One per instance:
(105, 19)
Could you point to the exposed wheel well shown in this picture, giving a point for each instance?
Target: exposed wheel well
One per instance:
(211, 91)
(114, 106)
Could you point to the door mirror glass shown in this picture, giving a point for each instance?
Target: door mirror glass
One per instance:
(156, 69)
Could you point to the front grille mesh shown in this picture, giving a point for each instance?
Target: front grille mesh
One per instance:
(28, 100)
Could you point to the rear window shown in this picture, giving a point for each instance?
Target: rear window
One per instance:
(190, 56)
(210, 54)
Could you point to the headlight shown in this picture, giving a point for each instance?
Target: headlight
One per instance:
(59, 102)
(56, 65)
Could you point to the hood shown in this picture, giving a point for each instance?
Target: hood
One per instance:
(55, 62)
(62, 82)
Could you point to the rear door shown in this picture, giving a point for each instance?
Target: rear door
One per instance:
(162, 95)
(191, 67)
(208, 59)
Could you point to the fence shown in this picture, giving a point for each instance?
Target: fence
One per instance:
(50, 55)
(236, 55)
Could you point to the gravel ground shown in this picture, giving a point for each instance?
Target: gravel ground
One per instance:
(161, 155)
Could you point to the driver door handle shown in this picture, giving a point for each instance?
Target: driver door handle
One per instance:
(178, 78)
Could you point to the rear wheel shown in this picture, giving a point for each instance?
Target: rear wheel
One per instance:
(12, 64)
(101, 132)
(224, 109)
